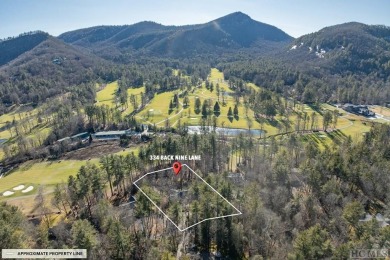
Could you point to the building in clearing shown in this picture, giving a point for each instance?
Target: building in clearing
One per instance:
(103, 136)
(382, 221)
(112, 135)
(359, 110)
(83, 137)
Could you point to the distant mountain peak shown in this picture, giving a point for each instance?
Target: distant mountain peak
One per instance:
(236, 15)
(148, 23)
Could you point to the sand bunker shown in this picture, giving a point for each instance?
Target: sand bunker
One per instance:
(20, 187)
(8, 193)
(29, 188)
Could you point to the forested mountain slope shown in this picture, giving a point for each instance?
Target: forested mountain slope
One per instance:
(45, 70)
(228, 33)
(13, 47)
(346, 48)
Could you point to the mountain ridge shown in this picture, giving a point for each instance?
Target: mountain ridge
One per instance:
(48, 68)
(13, 47)
(231, 32)
(349, 47)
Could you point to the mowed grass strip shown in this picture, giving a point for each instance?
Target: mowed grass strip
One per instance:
(107, 94)
(217, 76)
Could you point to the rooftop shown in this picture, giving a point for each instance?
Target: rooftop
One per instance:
(110, 133)
(78, 135)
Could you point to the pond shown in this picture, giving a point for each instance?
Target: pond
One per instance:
(223, 130)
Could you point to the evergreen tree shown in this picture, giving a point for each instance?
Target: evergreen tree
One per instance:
(327, 119)
(235, 112)
(186, 102)
(175, 101)
(217, 109)
(13, 231)
(218, 91)
(84, 235)
(171, 106)
(198, 104)
(204, 109)
(313, 243)
(335, 118)
(230, 113)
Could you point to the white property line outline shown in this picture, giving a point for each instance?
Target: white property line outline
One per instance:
(225, 216)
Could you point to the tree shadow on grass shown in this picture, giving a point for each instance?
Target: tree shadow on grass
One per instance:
(271, 121)
(337, 136)
(26, 166)
(316, 108)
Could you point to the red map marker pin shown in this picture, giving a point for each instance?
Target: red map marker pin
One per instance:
(177, 167)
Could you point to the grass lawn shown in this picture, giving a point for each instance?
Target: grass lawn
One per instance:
(253, 86)
(326, 106)
(158, 108)
(5, 134)
(40, 173)
(381, 110)
(18, 113)
(357, 129)
(47, 173)
(127, 151)
(27, 204)
(107, 94)
(42, 129)
(320, 139)
(217, 76)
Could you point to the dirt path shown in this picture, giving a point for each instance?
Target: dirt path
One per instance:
(181, 110)
(350, 124)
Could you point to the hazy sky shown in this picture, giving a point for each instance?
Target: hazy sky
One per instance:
(295, 17)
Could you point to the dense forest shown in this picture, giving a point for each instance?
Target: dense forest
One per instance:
(308, 86)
